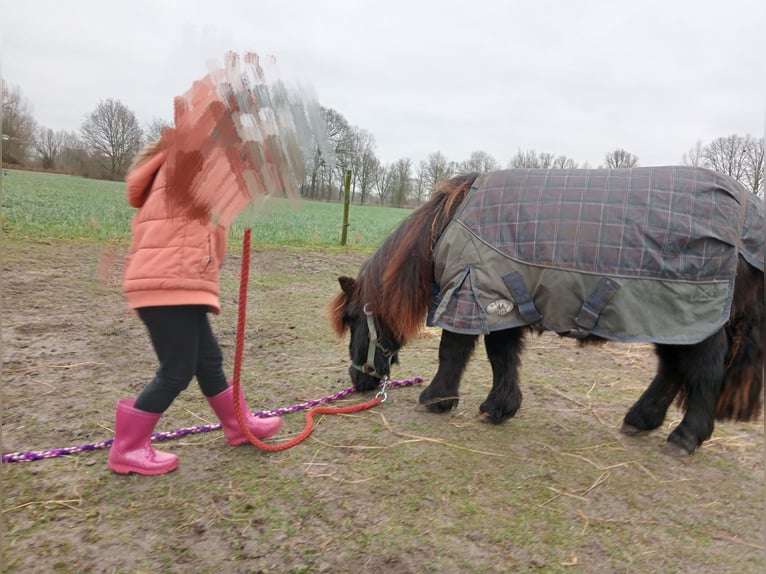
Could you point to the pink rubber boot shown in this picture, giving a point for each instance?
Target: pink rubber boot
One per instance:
(223, 405)
(132, 449)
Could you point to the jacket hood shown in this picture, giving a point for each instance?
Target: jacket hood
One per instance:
(140, 179)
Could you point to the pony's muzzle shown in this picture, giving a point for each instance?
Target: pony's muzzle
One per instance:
(363, 381)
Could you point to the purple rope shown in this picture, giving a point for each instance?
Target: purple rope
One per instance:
(160, 436)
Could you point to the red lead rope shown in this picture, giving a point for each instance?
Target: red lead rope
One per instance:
(238, 351)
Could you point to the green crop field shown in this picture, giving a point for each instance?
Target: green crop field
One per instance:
(49, 206)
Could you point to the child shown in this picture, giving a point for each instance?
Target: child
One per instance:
(171, 282)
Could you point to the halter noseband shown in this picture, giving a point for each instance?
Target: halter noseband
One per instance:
(368, 368)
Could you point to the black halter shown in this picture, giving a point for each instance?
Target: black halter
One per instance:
(368, 368)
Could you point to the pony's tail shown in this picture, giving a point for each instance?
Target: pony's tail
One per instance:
(741, 394)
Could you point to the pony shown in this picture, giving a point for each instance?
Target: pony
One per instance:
(712, 367)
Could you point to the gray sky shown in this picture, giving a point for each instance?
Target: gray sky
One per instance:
(578, 78)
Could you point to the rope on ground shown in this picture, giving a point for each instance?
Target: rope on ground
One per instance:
(30, 456)
(244, 277)
(238, 352)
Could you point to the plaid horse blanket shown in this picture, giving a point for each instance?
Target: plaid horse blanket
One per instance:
(642, 254)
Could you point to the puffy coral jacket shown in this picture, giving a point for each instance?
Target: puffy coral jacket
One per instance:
(173, 259)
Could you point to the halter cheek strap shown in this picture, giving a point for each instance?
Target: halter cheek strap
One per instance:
(368, 368)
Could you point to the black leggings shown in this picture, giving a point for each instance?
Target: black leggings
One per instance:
(186, 347)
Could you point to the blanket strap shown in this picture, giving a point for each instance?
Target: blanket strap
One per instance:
(591, 310)
(521, 297)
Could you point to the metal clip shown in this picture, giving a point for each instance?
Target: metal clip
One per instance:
(382, 391)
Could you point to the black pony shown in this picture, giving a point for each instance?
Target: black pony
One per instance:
(668, 255)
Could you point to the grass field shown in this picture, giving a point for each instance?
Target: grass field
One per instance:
(53, 206)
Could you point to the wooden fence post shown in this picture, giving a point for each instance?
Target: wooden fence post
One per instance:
(346, 203)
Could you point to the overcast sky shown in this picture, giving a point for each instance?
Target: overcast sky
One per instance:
(578, 78)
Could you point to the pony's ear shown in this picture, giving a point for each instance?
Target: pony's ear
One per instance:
(335, 309)
(347, 284)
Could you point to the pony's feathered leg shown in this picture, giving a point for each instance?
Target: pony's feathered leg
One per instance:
(504, 352)
(703, 367)
(455, 350)
(693, 372)
(723, 375)
(649, 411)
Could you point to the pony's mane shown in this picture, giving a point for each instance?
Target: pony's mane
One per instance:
(396, 280)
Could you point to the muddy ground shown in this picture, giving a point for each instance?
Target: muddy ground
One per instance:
(556, 489)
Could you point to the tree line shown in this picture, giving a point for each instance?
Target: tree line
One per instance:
(110, 135)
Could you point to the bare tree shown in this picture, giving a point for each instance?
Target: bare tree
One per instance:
(695, 156)
(73, 156)
(564, 162)
(480, 161)
(421, 186)
(48, 145)
(113, 135)
(154, 129)
(545, 160)
(620, 158)
(526, 158)
(321, 174)
(402, 184)
(341, 139)
(18, 126)
(384, 183)
(727, 155)
(314, 167)
(364, 164)
(740, 157)
(553, 161)
(437, 169)
(754, 176)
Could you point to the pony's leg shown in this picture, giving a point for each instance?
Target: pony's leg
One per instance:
(648, 412)
(455, 351)
(695, 371)
(504, 351)
(703, 368)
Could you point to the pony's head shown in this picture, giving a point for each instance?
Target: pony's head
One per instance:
(372, 346)
(386, 305)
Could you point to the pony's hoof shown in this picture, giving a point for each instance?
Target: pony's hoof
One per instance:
(439, 405)
(483, 417)
(630, 430)
(672, 449)
(496, 415)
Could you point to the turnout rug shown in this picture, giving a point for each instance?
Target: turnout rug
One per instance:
(642, 254)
